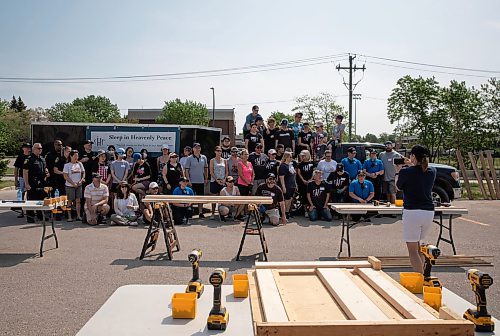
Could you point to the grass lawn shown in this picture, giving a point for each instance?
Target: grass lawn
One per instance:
(10, 171)
(4, 184)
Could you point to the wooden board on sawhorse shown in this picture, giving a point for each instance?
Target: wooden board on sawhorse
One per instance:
(253, 213)
(162, 221)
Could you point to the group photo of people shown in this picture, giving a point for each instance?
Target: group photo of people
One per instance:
(293, 162)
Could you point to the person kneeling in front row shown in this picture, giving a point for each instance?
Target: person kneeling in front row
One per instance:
(318, 195)
(182, 211)
(228, 209)
(270, 189)
(148, 211)
(361, 191)
(96, 200)
(125, 206)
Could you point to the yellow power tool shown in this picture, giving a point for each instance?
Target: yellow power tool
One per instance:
(195, 285)
(219, 316)
(431, 253)
(480, 282)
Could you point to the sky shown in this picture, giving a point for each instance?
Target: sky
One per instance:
(60, 39)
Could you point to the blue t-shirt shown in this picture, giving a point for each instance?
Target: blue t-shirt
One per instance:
(297, 128)
(352, 168)
(417, 187)
(186, 192)
(361, 190)
(373, 166)
(250, 119)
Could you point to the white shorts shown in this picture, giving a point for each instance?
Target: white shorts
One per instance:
(416, 224)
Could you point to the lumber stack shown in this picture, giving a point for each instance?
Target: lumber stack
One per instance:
(442, 261)
(338, 298)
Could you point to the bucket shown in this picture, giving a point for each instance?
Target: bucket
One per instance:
(398, 202)
(432, 296)
(240, 285)
(184, 305)
(412, 281)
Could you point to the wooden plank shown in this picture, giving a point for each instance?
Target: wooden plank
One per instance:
(446, 313)
(208, 199)
(367, 328)
(387, 287)
(461, 165)
(355, 303)
(388, 310)
(270, 298)
(310, 264)
(257, 314)
(375, 262)
(455, 260)
(305, 297)
(493, 194)
(494, 177)
(478, 175)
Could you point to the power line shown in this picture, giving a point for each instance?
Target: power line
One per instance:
(430, 65)
(426, 70)
(278, 64)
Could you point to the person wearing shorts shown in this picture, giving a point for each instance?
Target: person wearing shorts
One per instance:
(416, 182)
(74, 174)
(196, 170)
(270, 189)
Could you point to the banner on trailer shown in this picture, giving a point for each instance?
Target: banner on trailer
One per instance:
(138, 140)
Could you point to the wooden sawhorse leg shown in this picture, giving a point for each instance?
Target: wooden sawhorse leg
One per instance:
(254, 213)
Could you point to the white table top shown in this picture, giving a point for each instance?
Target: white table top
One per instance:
(357, 208)
(145, 310)
(27, 205)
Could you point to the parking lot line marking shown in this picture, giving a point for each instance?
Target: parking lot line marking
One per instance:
(473, 221)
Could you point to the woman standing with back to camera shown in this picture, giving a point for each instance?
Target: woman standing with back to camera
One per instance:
(416, 182)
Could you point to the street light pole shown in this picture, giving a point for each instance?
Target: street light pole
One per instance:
(356, 96)
(213, 106)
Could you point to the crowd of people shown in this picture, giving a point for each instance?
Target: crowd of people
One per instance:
(291, 163)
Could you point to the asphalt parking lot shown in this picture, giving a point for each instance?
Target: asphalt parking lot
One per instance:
(57, 294)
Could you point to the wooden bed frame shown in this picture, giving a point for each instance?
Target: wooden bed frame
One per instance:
(338, 298)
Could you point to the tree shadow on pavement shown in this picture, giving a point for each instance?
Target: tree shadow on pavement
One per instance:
(13, 259)
(231, 265)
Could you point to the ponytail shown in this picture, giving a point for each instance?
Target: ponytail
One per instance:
(424, 163)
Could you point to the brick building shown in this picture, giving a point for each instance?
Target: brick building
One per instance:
(224, 119)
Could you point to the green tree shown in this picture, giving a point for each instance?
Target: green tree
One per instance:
(14, 129)
(20, 104)
(490, 95)
(370, 138)
(184, 113)
(278, 116)
(92, 109)
(13, 103)
(322, 107)
(416, 105)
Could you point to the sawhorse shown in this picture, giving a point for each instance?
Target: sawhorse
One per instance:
(253, 213)
(162, 220)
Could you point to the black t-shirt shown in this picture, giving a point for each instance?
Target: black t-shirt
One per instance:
(288, 171)
(226, 152)
(88, 164)
(272, 167)
(305, 138)
(19, 163)
(338, 181)
(417, 187)
(59, 164)
(274, 192)
(318, 193)
(306, 169)
(269, 139)
(35, 165)
(174, 174)
(259, 165)
(141, 171)
(285, 138)
(253, 140)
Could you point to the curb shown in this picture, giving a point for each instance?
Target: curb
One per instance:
(8, 188)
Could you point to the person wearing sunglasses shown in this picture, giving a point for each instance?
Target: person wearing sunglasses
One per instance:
(147, 212)
(228, 209)
(218, 173)
(125, 206)
(374, 169)
(35, 173)
(270, 189)
(352, 165)
(171, 174)
(181, 212)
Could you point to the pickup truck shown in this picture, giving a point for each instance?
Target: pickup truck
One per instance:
(446, 187)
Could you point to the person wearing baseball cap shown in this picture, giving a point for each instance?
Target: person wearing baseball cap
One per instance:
(416, 182)
(232, 163)
(196, 170)
(148, 211)
(374, 169)
(352, 165)
(361, 191)
(272, 163)
(87, 157)
(226, 147)
(181, 212)
(102, 167)
(339, 182)
(285, 136)
(18, 170)
(270, 189)
(389, 177)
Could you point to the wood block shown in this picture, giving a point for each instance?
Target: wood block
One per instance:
(375, 262)
(355, 303)
(273, 308)
(388, 288)
(311, 264)
(254, 295)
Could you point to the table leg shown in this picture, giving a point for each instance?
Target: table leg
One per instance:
(450, 232)
(344, 217)
(43, 233)
(54, 231)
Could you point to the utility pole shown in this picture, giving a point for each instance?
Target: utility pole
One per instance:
(356, 96)
(213, 106)
(350, 87)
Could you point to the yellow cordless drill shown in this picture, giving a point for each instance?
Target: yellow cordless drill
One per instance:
(195, 285)
(431, 253)
(480, 282)
(219, 316)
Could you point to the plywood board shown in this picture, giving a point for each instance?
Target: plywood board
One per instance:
(406, 305)
(311, 264)
(273, 308)
(305, 297)
(355, 303)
